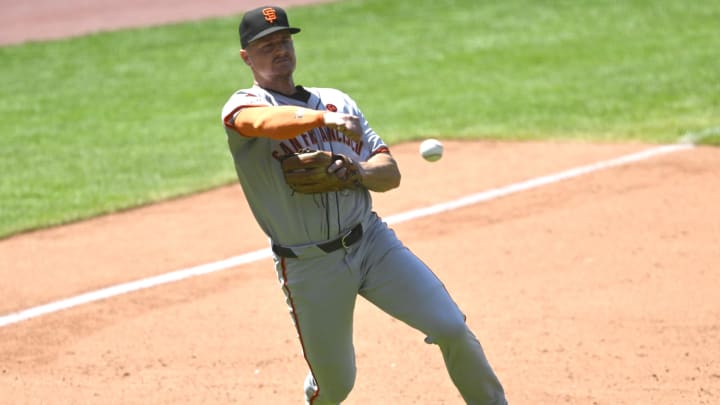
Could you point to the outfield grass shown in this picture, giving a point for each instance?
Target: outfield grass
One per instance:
(108, 121)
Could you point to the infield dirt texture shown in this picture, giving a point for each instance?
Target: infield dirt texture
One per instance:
(601, 288)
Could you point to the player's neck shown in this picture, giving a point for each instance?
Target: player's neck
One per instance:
(285, 86)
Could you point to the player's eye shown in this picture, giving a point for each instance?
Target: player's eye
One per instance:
(270, 46)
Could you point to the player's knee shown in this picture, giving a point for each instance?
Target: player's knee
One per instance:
(452, 331)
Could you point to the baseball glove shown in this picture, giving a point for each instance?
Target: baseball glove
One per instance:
(306, 172)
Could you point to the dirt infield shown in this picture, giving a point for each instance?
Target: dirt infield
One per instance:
(40, 20)
(599, 289)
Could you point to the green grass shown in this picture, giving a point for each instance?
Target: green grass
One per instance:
(598, 70)
(104, 122)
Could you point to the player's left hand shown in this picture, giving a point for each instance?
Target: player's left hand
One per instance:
(313, 171)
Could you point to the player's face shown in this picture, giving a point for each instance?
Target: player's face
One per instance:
(272, 56)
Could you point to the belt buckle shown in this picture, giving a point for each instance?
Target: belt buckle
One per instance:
(342, 241)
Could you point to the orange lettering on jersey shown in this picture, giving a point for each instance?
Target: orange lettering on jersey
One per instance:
(307, 140)
(324, 134)
(286, 149)
(269, 14)
(295, 144)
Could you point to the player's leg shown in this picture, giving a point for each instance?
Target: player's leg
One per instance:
(403, 286)
(321, 295)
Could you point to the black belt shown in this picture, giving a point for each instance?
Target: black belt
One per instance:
(342, 242)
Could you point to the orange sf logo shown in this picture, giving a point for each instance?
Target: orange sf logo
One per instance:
(269, 14)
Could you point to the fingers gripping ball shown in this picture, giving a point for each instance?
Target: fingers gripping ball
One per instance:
(306, 172)
(431, 150)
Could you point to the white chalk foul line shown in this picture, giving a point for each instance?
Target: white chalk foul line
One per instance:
(257, 255)
(533, 183)
(124, 288)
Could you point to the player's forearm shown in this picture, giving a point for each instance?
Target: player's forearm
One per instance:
(285, 122)
(380, 173)
(282, 122)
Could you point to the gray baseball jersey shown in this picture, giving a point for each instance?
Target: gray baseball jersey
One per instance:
(289, 218)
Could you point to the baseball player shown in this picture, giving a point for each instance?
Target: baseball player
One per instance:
(307, 160)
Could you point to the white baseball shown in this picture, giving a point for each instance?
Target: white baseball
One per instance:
(431, 150)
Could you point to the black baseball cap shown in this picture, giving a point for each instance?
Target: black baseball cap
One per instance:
(263, 21)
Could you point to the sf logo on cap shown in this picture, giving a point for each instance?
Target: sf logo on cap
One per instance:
(269, 14)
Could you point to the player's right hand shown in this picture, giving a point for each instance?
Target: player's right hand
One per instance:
(348, 124)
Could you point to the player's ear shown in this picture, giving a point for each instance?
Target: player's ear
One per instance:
(245, 57)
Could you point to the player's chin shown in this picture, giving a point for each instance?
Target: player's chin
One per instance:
(282, 73)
